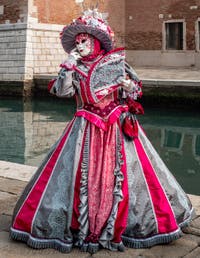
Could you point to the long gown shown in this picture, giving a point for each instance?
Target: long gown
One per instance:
(97, 187)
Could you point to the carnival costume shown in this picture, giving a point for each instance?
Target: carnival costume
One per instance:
(102, 185)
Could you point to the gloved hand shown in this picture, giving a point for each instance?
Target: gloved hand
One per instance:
(75, 54)
(128, 85)
(71, 60)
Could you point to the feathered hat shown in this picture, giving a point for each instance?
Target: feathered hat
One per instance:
(91, 22)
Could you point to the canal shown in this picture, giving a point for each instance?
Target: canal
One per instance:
(29, 128)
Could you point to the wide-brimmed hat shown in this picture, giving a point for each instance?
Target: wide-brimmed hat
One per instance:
(92, 23)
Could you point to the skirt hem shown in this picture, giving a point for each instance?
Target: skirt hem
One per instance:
(40, 243)
(151, 241)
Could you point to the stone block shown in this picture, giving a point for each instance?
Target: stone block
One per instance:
(7, 202)
(29, 57)
(20, 51)
(16, 171)
(14, 70)
(29, 63)
(195, 239)
(43, 70)
(13, 77)
(39, 33)
(38, 39)
(17, 63)
(6, 63)
(16, 45)
(11, 186)
(3, 70)
(52, 40)
(195, 202)
(5, 222)
(194, 254)
(52, 69)
(13, 57)
(128, 253)
(37, 51)
(192, 230)
(176, 249)
(44, 40)
(15, 249)
(196, 223)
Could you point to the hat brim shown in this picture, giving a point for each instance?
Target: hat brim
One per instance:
(70, 32)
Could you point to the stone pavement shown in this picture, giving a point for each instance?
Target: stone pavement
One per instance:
(13, 178)
(168, 73)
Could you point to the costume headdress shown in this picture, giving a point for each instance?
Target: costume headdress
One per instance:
(91, 22)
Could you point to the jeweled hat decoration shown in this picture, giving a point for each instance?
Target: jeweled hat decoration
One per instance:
(91, 22)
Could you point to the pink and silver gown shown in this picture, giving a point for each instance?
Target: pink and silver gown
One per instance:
(97, 187)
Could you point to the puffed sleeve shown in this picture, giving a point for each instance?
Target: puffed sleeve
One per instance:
(62, 85)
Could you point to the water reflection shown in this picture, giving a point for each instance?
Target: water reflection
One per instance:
(28, 129)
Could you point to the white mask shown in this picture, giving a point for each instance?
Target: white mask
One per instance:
(84, 44)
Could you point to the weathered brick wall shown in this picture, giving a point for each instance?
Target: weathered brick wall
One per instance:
(31, 45)
(137, 22)
(144, 27)
(184, 9)
(63, 12)
(13, 11)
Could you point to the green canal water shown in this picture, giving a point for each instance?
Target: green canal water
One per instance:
(29, 128)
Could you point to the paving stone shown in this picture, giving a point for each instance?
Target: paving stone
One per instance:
(193, 238)
(11, 186)
(194, 254)
(7, 202)
(15, 249)
(176, 249)
(193, 231)
(16, 171)
(195, 223)
(4, 237)
(129, 253)
(196, 203)
(5, 222)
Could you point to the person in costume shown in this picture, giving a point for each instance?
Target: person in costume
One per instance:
(102, 185)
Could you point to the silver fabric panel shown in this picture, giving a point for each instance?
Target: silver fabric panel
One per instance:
(141, 217)
(83, 207)
(53, 217)
(178, 199)
(63, 85)
(36, 175)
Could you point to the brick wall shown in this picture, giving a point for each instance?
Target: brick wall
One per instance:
(63, 12)
(13, 11)
(30, 44)
(137, 22)
(144, 26)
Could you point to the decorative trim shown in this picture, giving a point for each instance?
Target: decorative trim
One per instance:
(64, 247)
(148, 242)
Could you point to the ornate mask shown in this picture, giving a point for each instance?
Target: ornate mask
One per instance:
(84, 44)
